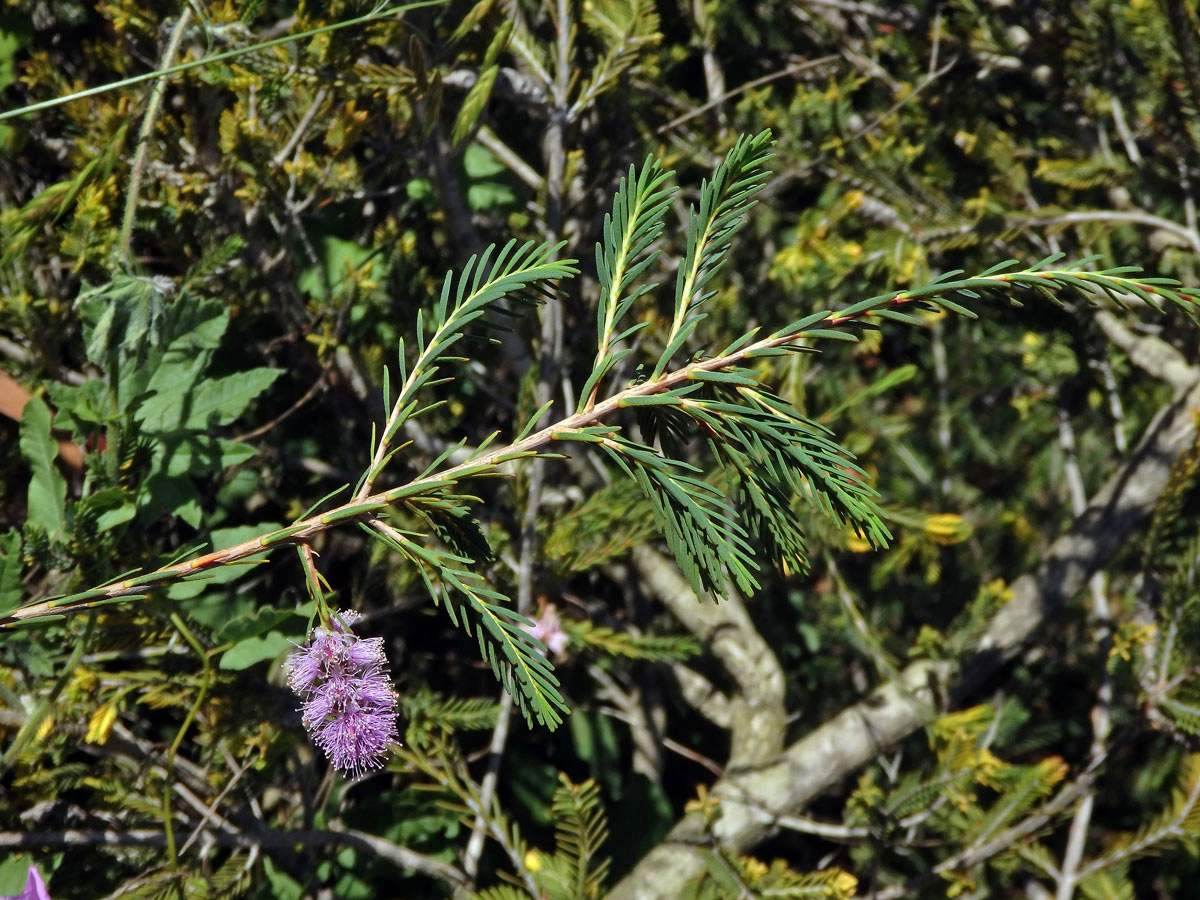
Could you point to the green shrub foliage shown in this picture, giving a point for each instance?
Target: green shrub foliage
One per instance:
(761, 438)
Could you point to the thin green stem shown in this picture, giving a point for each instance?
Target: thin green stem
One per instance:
(313, 580)
(143, 144)
(400, 408)
(372, 16)
(168, 778)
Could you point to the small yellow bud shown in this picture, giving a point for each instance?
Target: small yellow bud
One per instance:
(101, 724)
(845, 884)
(947, 528)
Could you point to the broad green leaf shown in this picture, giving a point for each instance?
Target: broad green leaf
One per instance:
(124, 320)
(262, 620)
(222, 400)
(195, 326)
(479, 162)
(15, 32)
(111, 507)
(10, 571)
(255, 650)
(215, 402)
(162, 493)
(13, 873)
(490, 187)
(80, 406)
(47, 488)
(172, 381)
(339, 258)
(199, 454)
(193, 330)
(283, 886)
(196, 329)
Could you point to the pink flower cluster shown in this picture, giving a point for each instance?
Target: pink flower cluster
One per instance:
(349, 707)
(548, 629)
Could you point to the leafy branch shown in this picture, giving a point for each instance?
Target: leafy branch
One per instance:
(668, 477)
(483, 282)
(769, 451)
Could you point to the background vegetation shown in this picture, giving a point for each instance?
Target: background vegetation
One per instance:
(205, 276)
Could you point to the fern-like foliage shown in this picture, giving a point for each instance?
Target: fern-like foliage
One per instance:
(1078, 174)
(1110, 885)
(517, 658)
(1020, 788)
(723, 203)
(653, 647)
(513, 273)
(452, 575)
(1161, 643)
(630, 230)
(776, 452)
(501, 892)
(1178, 823)
(701, 529)
(625, 28)
(427, 712)
(576, 871)
(769, 451)
(231, 879)
(607, 524)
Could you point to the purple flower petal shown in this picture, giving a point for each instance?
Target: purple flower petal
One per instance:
(365, 652)
(35, 888)
(375, 691)
(343, 620)
(358, 740)
(304, 668)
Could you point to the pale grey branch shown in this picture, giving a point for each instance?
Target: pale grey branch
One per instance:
(752, 798)
(757, 713)
(1152, 355)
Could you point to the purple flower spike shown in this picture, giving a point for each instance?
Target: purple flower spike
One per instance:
(35, 888)
(349, 707)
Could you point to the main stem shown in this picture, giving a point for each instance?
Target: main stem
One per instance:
(572, 428)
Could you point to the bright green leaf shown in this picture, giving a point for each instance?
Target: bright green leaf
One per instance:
(47, 488)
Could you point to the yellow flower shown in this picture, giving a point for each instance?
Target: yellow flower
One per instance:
(947, 528)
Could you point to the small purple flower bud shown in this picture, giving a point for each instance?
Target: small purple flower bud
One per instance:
(349, 706)
(343, 620)
(366, 652)
(303, 671)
